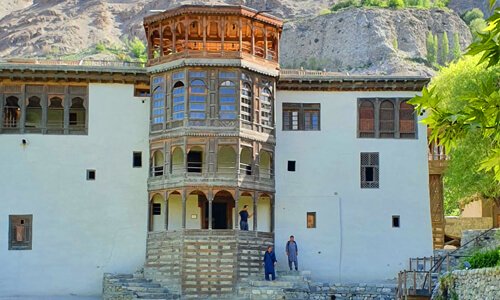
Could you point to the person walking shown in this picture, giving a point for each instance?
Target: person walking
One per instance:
(269, 263)
(244, 215)
(292, 251)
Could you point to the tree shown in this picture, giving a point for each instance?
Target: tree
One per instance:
(473, 14)
(431, 53)
(477, 111)
(396, 4)
(445, 48)
(456, 52)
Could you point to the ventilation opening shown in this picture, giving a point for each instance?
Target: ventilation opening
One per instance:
(137, 159)
(369, 172)
(90, 174)
(156, 209)
(291, 165)
(395, 221)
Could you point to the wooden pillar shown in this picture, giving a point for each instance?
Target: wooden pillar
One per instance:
(236, 199)
(240, 30)
(210, 202)
(253, 38)
(66, 105)
(22, 103)
(255, 201)
(44, 102)
(271, 198)
(184, 200)
(174, 36)
(150, 214)
(186, 36)
(161, 39)
(265, 42)
(165, 195)
(223, 32)
(204, 33)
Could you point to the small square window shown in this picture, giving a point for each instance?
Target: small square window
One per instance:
(137, 160)
(311, 220)
(291, 165)
(395, 221)
(90, 174)
(156, 209)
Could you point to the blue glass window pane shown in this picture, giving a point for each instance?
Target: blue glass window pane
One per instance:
(179, 107)
(228, 116)
(227, 90)
(178, 99)
(157, 120)
(157, 80)
(179, 90)
(196, 106)
(227, 107)
(227, 100)
(197, 115)
(197, 74)
(178, 116)
(157, 111)
(227, 75)
(158, 104)
(198, 90)
(194, 98)
(179, 75)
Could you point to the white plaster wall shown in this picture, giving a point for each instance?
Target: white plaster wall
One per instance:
(264, 214)
(81, 228)
(354, 239)
(175, 212)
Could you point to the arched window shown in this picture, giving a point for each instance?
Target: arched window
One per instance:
(271, 44)
(213, 37)
(55, 114)
(195, 35)
(158, 161)
(366, 119)
(246, 159)
(77, 114)
(178, 101)
(266, 116)
(197, 99)
(33, 113)
(232, 37)
(180, 37)
(11, 112)
(406, 120)
(259, 38)
(227, 100)
(168, 46)
(246, 37)
(226, 160)
(386, 123)
(177, 159)
(265, 164)
(195, 160)
(246, 102)
(155, 44)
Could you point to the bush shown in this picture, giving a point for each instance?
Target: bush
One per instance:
(472, 14)
(396, 3)
(484, 259)
(345, 4)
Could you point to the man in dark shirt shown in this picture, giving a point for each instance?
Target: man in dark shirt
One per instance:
(244, 215)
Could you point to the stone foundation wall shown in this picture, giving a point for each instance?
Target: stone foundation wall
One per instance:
(455, 225)
(325, 291)
(204, 263)
(477, 284)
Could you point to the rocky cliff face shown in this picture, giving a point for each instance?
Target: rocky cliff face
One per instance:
(354, 40)
(369, 40)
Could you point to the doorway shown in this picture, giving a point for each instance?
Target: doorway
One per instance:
(219, 216)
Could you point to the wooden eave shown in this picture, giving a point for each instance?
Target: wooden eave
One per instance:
(236, 10)
(41, 73)
(352, 83)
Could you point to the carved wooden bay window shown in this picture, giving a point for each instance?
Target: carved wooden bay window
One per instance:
(301, 116)
(386, 118)
(20, 232)
(52, 109)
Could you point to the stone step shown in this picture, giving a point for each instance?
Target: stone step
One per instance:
(147, 289)
(267, 284)
(147, 295)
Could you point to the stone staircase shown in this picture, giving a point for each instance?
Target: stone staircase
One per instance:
(128, 286)
(288, 285)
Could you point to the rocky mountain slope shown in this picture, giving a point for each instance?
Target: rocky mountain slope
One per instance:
(354, 40)
(369, 40)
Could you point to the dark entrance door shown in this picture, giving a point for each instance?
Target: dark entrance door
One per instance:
(219, 214)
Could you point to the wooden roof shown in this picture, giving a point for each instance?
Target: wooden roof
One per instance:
(237, 10)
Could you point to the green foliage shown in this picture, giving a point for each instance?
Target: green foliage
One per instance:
(447, 288)
(472, 14)
(137, 48)
(476, 27)
(396, 4)
(100, 47)
(431, 46)
(456, 51)
(395, 44)
(445, 49)
(484, 259)
(324, 11)
(344, 4)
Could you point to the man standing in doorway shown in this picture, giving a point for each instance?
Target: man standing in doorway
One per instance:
(244, 215)
(292, 251)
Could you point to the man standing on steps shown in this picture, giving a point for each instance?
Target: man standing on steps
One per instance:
(269, 263)
(292, 251)
(244, 215)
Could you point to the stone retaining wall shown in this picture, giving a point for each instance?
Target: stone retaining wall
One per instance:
(456, 225)
(477, 284)
(338, 291)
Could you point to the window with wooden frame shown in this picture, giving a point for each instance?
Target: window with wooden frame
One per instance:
(20, 232)
(178, 102)
(386, 118)
(227, 100)
(311, 220)
(246, 101)
(369, 162)
(301, 116)
(197, 100)
(158, 102)
(266, 112)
